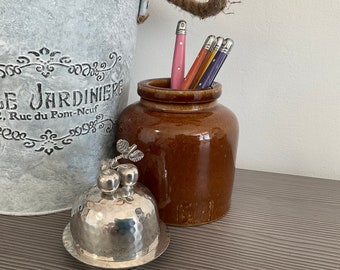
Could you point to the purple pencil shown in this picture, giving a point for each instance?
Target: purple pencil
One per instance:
(215, 65)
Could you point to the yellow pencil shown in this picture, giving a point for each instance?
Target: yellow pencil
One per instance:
(203, 53)
(206, 62)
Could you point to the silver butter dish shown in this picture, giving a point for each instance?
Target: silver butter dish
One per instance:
(115, 224)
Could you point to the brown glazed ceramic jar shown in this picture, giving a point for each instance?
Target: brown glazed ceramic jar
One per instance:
(190, 143)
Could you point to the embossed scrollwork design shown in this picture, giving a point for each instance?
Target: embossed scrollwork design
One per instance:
(49, 141)
(45, 62)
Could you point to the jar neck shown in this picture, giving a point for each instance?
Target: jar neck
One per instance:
(182, 107)
(156, 93)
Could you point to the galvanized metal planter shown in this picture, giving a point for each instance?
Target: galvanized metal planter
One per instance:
(64, 77)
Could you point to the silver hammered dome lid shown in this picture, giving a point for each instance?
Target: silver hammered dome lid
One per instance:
(115, 223)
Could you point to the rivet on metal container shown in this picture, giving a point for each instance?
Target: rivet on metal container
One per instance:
(115, 224)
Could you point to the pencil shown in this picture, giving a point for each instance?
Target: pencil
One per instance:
(206, 62)
(206, 48)
(178, 62)
(216, 64)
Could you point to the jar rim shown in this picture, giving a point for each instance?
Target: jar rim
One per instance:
(159, 90)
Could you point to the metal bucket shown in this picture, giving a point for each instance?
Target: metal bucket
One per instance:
(64, 78)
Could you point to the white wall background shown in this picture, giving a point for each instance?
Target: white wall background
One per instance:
(282, 78)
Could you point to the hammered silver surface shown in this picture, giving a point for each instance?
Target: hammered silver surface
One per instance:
(160, 248)
(116, 230)
(64, 78)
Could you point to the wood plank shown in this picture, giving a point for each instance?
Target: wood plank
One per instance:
(276, 222)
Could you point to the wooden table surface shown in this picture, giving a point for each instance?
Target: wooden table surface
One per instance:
(276, 222)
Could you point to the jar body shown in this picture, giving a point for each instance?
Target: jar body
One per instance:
(190, 146)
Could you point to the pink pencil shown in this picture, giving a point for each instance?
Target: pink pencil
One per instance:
(178, 62)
